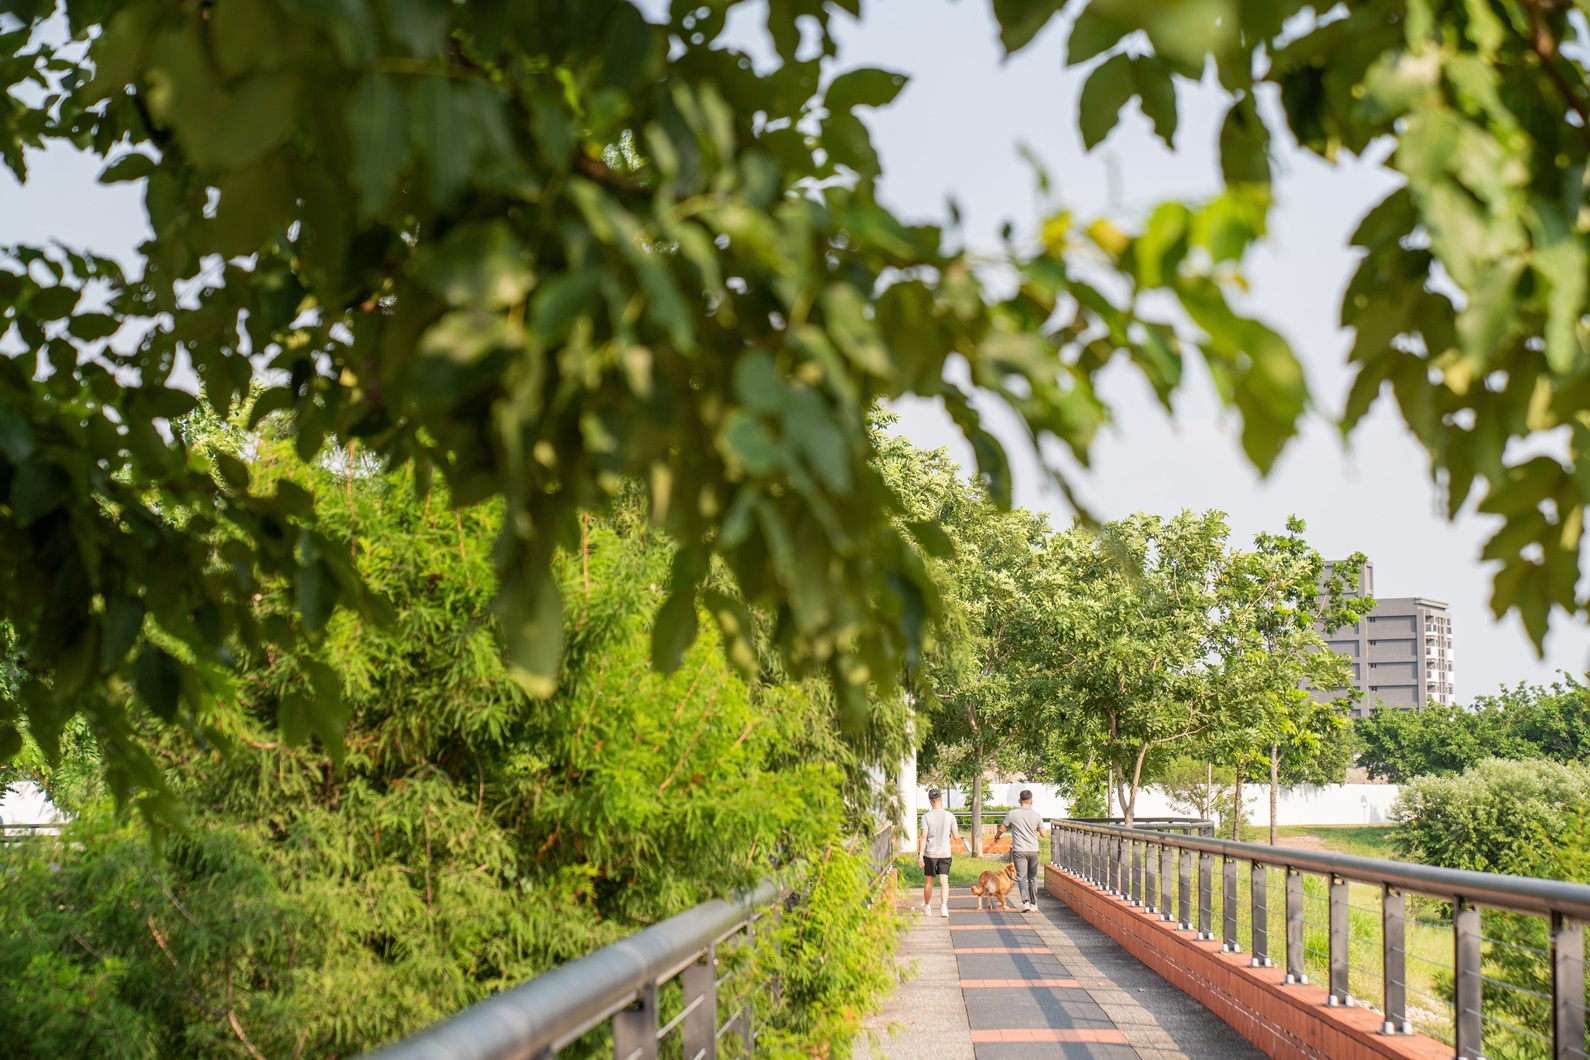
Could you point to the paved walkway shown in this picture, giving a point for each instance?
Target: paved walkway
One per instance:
(996, 985)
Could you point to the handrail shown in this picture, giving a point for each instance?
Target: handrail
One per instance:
(1128, 862)
(537, 1018)
(1517, 894)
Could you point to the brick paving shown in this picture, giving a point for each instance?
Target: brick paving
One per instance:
(1000, 985)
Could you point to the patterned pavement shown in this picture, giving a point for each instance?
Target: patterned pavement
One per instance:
(999, 985)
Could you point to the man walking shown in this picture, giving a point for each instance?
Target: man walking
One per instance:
(1025, 825)
(933, 851)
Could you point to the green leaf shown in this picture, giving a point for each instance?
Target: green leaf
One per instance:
(1092, 34)
(123, 619)
(464, 351)
(738, 629)
(1107, 90)
(318, 590)
(158, 679)
(1022, 20)
(135, 165)
(378, 130)
(258, 117)
(293, 500)
(478, 263)
(1156, 93)
(10, 742)
(530, 612)
(1244, 145)
(867, 87)
(443, 127)
(420, 25)
(91, 327)
(38, 488)
(232, 470)
(674, 629)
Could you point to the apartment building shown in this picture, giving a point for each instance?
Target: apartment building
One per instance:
(1401, 652)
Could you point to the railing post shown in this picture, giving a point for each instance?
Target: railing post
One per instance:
(1165, 887)
(1206, 881)
(747, 1005)
(700, 982)
(1184, 897)
(1394, 968)
(1466, 984)
(1149, 874)
(1259, 888)
(1137, 871)
(1295, 970)
(1339, 940)
(1123, 870)
(1228, 901)
(1567, 988)
(635, 1027)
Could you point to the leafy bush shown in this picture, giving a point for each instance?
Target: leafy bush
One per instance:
(469, 838)
(1494, 817)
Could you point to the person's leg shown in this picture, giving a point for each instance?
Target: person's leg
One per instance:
(1031, 871)
(1018, 860)
(927, 884)
(944, 895)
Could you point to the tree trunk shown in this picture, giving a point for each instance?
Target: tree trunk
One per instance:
(1236, 814)
(1109, 791)
(1275, 786)
(977, 814)
(1211, 800)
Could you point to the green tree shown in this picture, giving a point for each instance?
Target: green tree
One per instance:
(986, 668)
(543, 249)
(471, 837)
(1290, 600)
(1143, 646)
(1523, 722)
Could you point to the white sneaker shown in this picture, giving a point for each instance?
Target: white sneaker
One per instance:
(944, 910)
(1029, 907)
(926, 911)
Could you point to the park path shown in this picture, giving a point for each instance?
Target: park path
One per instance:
(998, 985)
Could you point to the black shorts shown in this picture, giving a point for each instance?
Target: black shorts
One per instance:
(935, 866)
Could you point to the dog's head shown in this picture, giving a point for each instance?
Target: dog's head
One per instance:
(1010, 870)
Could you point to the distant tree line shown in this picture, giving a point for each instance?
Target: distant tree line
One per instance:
(1524, 722)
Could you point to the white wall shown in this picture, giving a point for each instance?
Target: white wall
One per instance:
(24, 803)
(1338, 804)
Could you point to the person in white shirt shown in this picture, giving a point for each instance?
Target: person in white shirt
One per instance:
(1025, 825)
(933, 851)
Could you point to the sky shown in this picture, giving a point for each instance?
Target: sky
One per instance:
(954, 132)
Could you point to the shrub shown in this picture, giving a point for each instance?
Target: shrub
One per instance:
(1493, 817)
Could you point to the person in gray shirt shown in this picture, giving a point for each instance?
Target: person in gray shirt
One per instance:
(1025, 825)
(933, 851)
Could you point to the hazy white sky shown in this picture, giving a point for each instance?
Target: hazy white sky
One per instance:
(954, 131)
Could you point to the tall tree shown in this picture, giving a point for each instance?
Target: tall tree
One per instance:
(1142, 643)
(541, 249)
(1284, 592)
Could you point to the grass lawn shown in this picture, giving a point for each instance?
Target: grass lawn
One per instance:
(1364, 840)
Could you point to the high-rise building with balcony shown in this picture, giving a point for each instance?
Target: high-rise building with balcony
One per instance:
(1401, 652)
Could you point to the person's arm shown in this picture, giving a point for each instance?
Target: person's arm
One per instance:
(921, 837)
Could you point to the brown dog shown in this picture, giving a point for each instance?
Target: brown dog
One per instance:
(995, 886)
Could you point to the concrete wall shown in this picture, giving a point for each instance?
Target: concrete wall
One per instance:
(1338, 804)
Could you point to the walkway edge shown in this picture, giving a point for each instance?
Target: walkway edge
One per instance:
(1291, 1022)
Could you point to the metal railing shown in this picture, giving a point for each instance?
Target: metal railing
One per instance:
(1166, 873)
(10, 832)
(881, 855)
(620, 982)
